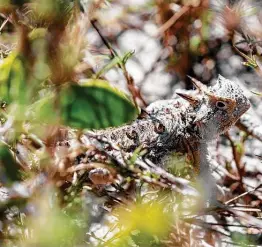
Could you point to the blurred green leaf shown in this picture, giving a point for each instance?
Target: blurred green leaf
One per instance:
(53, 10)
(145, 223)
(95, 104)
(37, 33)
(243, 239)
(12, 80)
(52, 226)
(9, 167)
(43, 110)
(5, 3)
(179, 165)
(195, 42)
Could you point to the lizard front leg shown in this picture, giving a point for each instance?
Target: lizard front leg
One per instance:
(202, 167)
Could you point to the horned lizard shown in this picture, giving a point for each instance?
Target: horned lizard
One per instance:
(182, 125)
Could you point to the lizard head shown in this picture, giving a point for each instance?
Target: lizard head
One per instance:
(218, 107)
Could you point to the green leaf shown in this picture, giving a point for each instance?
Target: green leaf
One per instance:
(95, 104)
(43, 110)
(256, 93)
(127, 56)
(114, 62)
(12, 80)
(8, 166)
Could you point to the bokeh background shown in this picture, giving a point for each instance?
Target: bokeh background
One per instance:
(67, 65)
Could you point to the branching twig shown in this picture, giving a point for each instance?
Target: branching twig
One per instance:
(130, 81)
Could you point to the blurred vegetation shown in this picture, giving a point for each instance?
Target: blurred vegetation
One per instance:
(50, 94)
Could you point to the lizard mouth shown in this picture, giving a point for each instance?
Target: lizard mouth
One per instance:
(248, 105)
(245, 107)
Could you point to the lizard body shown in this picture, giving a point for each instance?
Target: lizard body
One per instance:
(182, 125)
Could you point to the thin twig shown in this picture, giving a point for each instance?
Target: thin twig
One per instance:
(247, 209)
(243, 194)
(248, 218)
(236, 158)
(106, 43)
(256, 222)
(172, 20)
(226, 225)
(4, 23)
(82, 166)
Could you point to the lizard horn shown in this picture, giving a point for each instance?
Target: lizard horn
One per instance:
(193, 100)
(201, 87)
(143, 114)
(198, 84)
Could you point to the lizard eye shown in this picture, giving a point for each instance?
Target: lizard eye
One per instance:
(221, 105)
